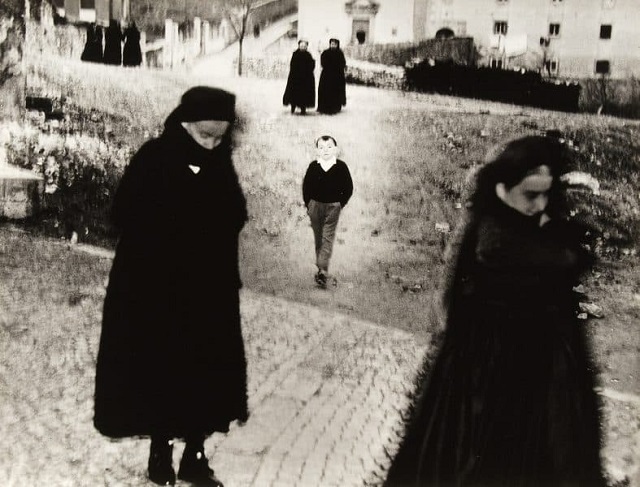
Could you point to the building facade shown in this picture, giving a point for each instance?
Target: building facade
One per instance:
(564, 38)
(356, 21)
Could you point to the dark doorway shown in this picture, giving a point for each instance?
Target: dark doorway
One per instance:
(360, 31)
(445, 33)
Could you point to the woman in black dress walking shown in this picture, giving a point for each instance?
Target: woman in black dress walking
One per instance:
(332, 85)
(301, 83)
(510, 399)
(171, 362)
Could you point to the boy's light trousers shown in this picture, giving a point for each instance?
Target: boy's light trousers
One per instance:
(324, 220)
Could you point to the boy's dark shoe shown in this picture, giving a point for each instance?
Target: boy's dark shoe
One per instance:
(194, 468)
(321, 279)
(161, 470)
(303, 110)
(293, 108)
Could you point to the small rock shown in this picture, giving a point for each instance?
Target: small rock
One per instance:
(443, 227)
(591, 309)
(579, 289)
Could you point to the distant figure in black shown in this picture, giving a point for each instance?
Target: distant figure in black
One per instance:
(92, 51)
(113, 44)
(331, 88)
(131, 53)
(171, 362)
(510, 400)
(301, 83)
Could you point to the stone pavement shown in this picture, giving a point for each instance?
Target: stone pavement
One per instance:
(325, 390)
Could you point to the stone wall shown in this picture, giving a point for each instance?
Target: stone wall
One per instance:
(358, 72)
(460, 50)
(58, 40)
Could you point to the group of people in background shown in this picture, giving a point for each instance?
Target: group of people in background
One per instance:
(300, 91)
(112, 51)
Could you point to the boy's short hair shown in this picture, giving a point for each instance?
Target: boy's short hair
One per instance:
(325, 138)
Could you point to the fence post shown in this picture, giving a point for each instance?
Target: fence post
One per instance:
(167, 54)
(143, 44)
(206, 35)
(197, 37)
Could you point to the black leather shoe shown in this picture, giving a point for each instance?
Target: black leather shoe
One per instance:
(194, 468)
(161, 470)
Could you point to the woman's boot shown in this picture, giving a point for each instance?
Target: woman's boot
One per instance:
(194, 466)
(161, 469)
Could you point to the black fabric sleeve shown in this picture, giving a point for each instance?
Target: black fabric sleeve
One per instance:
(347, 186)
(306, 186)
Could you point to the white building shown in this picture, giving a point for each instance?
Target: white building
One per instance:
(571, 38)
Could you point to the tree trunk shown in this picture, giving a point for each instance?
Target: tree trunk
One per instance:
(12, 77)
(240, 56)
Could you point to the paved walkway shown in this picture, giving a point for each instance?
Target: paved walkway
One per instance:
(325, 390)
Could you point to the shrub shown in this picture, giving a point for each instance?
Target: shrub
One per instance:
(81, 174)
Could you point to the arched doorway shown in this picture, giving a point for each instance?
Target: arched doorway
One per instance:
(445, 33)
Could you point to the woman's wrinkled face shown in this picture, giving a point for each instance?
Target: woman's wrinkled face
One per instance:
(531, 195)
(302, 46)
(207, 133)
(333, 45)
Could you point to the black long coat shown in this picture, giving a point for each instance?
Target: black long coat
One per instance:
(332, 86)
(510, 400)
(171, 358)
(92, 51)
(301, 82)
(113, 44)
(131, 53)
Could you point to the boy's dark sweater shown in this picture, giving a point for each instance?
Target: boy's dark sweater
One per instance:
(334, 185)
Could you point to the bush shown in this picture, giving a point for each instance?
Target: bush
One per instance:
(518, 87)
(620, 98)
(81, 174)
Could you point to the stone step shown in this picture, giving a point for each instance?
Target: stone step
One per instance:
(20, 192)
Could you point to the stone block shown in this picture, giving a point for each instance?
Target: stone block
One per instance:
(20, 192)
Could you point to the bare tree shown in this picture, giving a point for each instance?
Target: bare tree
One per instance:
(238, 13)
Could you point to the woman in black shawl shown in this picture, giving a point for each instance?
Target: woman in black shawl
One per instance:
(113, 44)
(92, 51)
(510, 400)
(301, 83)
(171, 362)
(331, 88)
(131, 53)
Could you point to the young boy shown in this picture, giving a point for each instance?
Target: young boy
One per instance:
(326, 189)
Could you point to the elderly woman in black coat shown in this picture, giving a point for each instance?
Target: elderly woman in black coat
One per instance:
(171, 362)
(332, 86)
(301, 83)
(510, 400)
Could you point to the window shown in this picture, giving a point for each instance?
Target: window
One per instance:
(500, 27)
(551, 66)
(605, 31)
(603, 67)
(554, 30)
